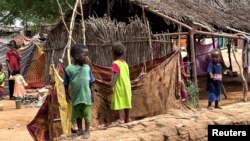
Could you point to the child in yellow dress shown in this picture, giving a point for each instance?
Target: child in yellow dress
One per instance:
(20, 84)
(122, 93)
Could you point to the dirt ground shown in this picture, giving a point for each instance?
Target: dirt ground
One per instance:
(13, 121)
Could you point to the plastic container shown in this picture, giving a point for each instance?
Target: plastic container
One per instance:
(18, 104)
(1, 106)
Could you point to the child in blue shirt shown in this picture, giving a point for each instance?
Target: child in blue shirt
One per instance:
(214, 79)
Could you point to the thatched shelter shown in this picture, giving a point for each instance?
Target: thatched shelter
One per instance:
(207, 17)
(159, 21)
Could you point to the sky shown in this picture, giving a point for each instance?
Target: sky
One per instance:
(18, 23)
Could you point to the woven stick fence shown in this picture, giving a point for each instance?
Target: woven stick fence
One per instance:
(101, 33)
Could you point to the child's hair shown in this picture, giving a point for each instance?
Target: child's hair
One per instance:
(118, 49)
(215, 51)
(16, 72)
(13, 44)
(77, 49)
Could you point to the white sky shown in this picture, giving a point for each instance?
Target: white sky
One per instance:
(18, 23)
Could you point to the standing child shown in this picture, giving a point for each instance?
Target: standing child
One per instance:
(2, 79)
(121, 85)
(13, 62)
(20, 84)
(214, 79)
(79, 77)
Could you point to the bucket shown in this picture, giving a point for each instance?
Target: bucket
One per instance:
(1, 106)
(18, 104)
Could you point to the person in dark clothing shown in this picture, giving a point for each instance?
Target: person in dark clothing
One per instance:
(214, 79)
(13, 59)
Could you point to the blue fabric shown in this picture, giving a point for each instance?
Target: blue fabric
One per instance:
(214, 85)
(92, 78)
(66, 79)
(213, 96)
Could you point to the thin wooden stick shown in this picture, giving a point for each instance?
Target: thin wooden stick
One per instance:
(68, 45)
(203, 26)
(242, 75)
(238, 31)
(150, 41)
(83, 24)
(61, 12)
(71, 7)
(224, 91)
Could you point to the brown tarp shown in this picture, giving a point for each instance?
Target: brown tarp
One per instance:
(153, 92)
(153, 89)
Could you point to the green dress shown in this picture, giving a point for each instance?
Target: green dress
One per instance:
(121, 97)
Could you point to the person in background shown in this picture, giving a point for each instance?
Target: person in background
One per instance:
(121, 85)
(20, 84)
(13, 60)
(184, 77)
(214, 79)
(2, 79)
(80, 78)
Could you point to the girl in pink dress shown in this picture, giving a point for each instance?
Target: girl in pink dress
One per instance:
(20, 84)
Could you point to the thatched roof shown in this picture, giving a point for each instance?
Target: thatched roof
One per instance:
(213, 13)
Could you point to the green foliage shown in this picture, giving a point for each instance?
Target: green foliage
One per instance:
(36, 12)
(193, 96)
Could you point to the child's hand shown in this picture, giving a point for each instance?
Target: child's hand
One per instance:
(211, 76)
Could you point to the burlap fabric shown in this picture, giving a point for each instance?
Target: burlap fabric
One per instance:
(153, 89)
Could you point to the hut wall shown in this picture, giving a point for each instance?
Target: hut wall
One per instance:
(100, 34)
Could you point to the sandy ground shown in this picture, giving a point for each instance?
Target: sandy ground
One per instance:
(13, 121)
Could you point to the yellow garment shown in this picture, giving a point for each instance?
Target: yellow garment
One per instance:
(64, 107)
(2, 79)
(121, 98)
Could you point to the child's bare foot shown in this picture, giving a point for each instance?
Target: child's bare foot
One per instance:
(217, 107)
(117, 122)
(79, 133)
(86, 134)
(210, 108)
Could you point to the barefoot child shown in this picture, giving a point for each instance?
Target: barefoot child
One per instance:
(2, 79)
(79, 77)
(214, 79)
(20, 84)
(121, 98)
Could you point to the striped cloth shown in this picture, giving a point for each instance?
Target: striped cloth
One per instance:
(26, 58)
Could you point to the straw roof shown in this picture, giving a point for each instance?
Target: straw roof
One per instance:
(215, 14)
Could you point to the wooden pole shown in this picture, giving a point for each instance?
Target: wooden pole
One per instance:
(245, 56)
(218, 34)
(150, 41)
(172, 34)
(193, 59)
(244, 82)
(72, 22)
(83, 24)
(108, 8)
(229, 53)
(238, 31)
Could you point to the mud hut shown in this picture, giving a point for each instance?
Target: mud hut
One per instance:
(148, 43)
